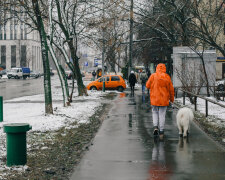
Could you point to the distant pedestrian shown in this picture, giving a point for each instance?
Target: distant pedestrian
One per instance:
(148, 72)
(143, 78)
(161, 93)
(93, 75)
(99, 73)
(132, 81)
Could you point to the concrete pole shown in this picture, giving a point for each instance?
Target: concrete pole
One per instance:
(103, 47)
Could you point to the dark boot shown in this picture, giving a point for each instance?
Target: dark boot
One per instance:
(156, 131)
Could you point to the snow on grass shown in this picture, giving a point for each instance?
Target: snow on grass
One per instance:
(216, 113)
(31, 110)
(33, 113)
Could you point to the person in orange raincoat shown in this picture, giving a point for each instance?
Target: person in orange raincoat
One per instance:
(161, 93)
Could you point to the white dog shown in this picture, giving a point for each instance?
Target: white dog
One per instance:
(184, 116)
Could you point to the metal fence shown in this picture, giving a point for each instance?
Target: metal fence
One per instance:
(186, 93)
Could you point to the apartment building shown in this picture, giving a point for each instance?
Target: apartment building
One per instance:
(220, 62)
(19, 45)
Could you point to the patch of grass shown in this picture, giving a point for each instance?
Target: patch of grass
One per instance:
(53, 155)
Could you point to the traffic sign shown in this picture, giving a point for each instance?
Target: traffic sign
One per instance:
(85, 63)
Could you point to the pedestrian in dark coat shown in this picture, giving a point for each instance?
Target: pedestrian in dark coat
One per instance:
(93, 75)
(132, 81)
(148, 72)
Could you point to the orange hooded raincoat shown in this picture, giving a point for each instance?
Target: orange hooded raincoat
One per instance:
(161, 87)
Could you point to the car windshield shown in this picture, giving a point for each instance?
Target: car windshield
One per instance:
(100, 80)
(13, 70)
(106, 79)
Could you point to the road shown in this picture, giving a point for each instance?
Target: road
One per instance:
(13, 88)
(124, 148)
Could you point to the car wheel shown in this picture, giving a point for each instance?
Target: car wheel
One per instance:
(16, 77)
(120, 89)
(220, 87)
(93, 88)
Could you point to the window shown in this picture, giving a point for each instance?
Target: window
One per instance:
(11, 30)
(21, 31)
(13, 56)
(115, 78)
(23, 60)
(5, 31)
(15, 29)
(3, 56)
(101, 80)
(25, 32)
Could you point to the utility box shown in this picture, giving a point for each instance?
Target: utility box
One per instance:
(16, 143)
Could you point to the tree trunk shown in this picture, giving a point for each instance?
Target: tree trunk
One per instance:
(206, 76)
(45, 59)
(82, 90)
(62, 77)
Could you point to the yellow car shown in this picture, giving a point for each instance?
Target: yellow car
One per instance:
(112, 82)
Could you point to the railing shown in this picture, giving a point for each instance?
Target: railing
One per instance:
(195, 101)
(213, 89)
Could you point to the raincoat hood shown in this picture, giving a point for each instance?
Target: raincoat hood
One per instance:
(161, 68)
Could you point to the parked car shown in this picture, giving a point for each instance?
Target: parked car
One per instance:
(112, 82)
(51, 72)
(35, 74)
(68, 74)
(220, 85)
(2, 72)
(17, 73)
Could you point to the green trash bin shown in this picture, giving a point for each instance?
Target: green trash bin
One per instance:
(16, 143)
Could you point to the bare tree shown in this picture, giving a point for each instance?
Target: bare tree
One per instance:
(35, 19)
(114, 23)
(190, 77)
(69, 20)
(208, 23)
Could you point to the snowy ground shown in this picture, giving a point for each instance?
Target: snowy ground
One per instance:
(30, 109)
(216, 113)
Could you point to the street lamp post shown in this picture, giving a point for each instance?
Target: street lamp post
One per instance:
(103, 47)
(131, 36)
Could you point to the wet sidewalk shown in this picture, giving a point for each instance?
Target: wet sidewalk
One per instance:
(124, 148)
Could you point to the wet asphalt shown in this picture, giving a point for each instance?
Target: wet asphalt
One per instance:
(14, 88)
(125, 149)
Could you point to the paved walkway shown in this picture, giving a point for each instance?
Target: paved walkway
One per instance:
(124, 148)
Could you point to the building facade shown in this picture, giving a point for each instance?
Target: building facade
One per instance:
(188, 69)
(19, 46)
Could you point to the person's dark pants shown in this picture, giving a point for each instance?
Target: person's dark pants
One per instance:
(143, 87)
(132, 88)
